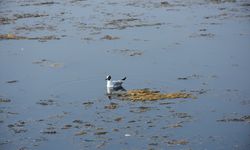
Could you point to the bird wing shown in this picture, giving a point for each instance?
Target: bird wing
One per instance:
(117, 83)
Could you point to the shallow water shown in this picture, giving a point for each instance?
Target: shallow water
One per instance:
(58, 94)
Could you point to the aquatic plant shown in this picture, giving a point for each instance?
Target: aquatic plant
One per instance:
(150, 95)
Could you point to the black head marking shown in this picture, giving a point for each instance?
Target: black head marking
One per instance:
(108, 77)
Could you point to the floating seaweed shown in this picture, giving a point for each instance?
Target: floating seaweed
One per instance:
(5, 20)
(78, 121)
(49, 130)
(10, 37)
(67, 126)
(127, 52)
(150, 95)
(118, 119)
(100, 133)
(18, 127)
(238, 119)
(12, 81)
(109, 37)
(29, 15)
(111, 106)
(177, 142)
(46, 102)
(80, 133)
(4, 100)
(17, 37)
(48, 63)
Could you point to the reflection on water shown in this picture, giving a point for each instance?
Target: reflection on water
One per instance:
(113, 92)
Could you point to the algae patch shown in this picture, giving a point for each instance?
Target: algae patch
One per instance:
(48, 63)
(17, 37)
(236, 119)
(150, 95)
(4, 100)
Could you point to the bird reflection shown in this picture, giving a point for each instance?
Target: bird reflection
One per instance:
(114, 92)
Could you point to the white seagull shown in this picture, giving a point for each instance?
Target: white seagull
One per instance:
(114, 84)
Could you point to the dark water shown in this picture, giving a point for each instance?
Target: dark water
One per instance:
(58, 92)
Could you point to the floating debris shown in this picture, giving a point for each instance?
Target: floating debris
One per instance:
(28, 15)
(118, 119)
(128, 52)
(127, 135)
(177, 142)
(49, 130)
(128, 23)
(131, 121)
(89, 125)
(12, 113)
(198, 35)
(241, 119)
(67, 126)
(17, 37)
(12, 81)
(78, 121)
(246, 4)
(150, 95)
(166, 103)
(182, 78)
(18, 127)
(200, 91)
(48, 63)
(44, 38)
(111, 106)
(182, 115)
(140, 109)
(35, 27)
(101, 145)
(109, 37)
(176, 125)
(115, 129)
(144, 109)
(88, 103)
(56, 65)
(4, 100)
(165, 4)
(80, 133)
(194, 76)
(40, 4)
(40, 61)
(2, 142)
(46, 102)
(10, 37)
(100, 133)
(121, 23)
(45, 3)
(88, 140)
(5, 20)
(222, 1)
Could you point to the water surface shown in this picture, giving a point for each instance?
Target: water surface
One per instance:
(58, 94)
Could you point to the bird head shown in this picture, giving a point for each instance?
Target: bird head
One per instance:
(108, 77)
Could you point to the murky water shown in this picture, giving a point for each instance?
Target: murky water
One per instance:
(55, 56)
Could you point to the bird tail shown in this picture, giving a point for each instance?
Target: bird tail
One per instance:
(124, 78)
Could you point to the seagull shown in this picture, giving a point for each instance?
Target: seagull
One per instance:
(114, 84)
(114, 87)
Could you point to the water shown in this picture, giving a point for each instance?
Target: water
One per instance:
(203, 41)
